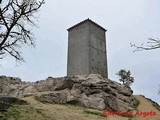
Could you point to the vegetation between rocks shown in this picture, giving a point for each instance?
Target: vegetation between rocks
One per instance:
(40, 99)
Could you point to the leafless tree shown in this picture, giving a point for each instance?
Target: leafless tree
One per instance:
(16, 18)
(150, 45)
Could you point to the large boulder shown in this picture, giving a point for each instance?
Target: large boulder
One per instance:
(93, 91)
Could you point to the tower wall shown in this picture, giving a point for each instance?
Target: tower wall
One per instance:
(97, 51)
(78, 50)
(87, 49)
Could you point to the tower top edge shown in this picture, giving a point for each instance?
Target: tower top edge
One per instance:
(84, 21)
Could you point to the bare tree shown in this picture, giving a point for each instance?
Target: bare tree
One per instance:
(16, 17)
(150, 45)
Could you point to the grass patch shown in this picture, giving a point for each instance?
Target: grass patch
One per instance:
(94, 113)
(24, 112)
(39, 111)
(40, 99)
(137, 103)
(128, 116)
(13, 111)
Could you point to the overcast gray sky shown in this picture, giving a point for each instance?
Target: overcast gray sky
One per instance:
(127, 21)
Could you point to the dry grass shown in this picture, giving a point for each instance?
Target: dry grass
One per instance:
(37, 110)
(146, 106)
(63, 112)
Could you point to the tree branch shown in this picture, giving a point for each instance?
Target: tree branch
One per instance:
(151, 44)
(14, 19)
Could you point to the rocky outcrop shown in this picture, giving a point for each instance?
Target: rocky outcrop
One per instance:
(13, 86)
(90, 91)
(93, 91)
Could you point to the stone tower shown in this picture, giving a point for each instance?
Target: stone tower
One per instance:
(87, 49)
